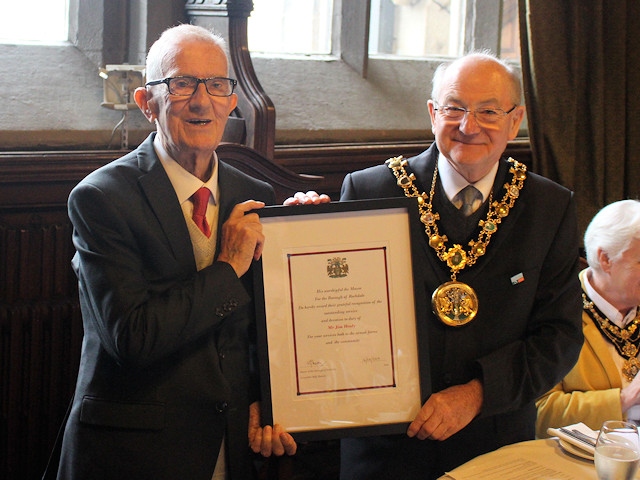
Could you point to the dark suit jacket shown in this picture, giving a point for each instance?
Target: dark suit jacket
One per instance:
(524, 339)
(165, 371)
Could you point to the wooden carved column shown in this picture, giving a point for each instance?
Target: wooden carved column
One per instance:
(229, 19)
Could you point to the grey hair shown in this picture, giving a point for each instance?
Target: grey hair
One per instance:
(612, 229)
(162, 47)
(484, 55)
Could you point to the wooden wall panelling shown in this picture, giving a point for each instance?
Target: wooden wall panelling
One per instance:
(40, 322)
(284, 181)
(334, 161)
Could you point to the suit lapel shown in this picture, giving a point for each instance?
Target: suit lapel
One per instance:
(157, 188)
(227, 188)
(230, 194)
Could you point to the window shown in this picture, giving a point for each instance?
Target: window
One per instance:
(510, 33)
(403, 28)
(417, 28)
(433, 28)
(291, 26)
(45, 22)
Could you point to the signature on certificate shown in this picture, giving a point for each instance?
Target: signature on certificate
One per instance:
(371, 359)
(316, 363)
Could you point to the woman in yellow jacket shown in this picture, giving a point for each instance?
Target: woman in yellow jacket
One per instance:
(603, 384)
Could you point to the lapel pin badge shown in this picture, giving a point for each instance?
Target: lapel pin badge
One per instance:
(516, 279)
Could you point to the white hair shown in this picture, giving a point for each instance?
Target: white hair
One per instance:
(612, 229)
(169, 38)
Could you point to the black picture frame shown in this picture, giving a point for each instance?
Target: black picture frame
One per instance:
(381, 237)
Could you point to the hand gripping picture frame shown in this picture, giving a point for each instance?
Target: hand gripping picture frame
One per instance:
(340, 351)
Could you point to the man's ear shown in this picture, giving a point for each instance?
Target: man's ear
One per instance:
(516, 119)
(432, 114)
(603, 260)
(233, 102)
(141, 97)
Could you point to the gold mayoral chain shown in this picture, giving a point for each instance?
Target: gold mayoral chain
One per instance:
(626, 340)
(456, 303)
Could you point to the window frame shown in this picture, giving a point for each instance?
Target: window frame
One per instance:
(482, 30)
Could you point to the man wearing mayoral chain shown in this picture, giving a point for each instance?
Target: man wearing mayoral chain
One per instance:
(500, 268)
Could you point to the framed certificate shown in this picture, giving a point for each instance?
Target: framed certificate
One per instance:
(338, 342)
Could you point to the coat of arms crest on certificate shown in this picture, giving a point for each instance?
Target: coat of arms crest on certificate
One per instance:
(337, 267)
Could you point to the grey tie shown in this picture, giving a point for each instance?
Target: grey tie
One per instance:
(467, 197)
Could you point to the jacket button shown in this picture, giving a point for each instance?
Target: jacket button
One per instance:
(221, 406)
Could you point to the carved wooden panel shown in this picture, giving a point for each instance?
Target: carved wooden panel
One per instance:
(229, 19)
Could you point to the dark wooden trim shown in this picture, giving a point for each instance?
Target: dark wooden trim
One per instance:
(36, 181)
(285, 182)
(333, 161)
(354, 40)
(254, 104)
(49, 176)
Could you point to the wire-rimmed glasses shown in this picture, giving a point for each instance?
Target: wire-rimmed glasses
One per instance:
(185, 86)
(484, 116)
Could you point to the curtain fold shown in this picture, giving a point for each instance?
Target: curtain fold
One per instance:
(581, 78)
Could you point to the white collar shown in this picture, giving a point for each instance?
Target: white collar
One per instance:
(453, 182)
(184, 183)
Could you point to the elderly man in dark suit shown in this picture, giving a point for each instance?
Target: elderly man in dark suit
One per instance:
(499, 266)
(166, 387)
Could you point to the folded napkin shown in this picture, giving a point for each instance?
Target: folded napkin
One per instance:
(571, 434)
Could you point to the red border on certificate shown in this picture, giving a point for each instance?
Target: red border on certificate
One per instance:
(343, 326)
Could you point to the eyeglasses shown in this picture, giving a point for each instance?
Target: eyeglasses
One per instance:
(187, 86)
(486, 116)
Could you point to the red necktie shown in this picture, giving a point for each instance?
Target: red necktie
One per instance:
(200, 201)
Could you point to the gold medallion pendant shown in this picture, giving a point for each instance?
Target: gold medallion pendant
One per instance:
(630, 368)
(456, 303)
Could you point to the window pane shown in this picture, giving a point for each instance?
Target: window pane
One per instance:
(510, 34)
(45, 21)
(417, 28)
(291, 26)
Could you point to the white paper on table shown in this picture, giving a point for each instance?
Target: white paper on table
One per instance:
(530, 460)
(516, 466)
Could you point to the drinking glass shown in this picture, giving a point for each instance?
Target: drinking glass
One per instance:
(617, 452)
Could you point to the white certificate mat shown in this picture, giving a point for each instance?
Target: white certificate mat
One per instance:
(337, 318)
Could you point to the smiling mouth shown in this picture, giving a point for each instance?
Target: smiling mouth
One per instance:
(198, 122)
(468, 142)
